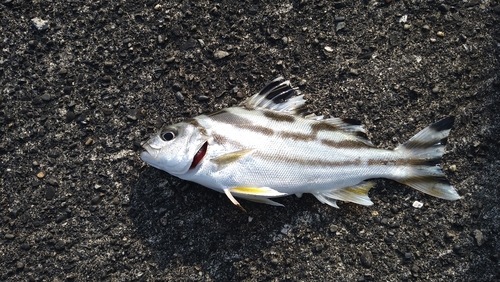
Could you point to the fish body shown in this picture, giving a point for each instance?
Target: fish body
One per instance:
(270, 146)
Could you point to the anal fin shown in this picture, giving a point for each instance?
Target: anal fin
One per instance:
(356, 194)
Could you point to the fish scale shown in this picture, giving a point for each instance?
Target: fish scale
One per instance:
(271, 146)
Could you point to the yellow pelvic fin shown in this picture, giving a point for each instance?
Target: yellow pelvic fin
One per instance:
(233, 200)
(248, 192)
(254, 194)
(226, 159)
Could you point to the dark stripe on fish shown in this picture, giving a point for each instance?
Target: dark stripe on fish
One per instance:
(351, 144)
(324, 126)
(217, 113)
(297, 136)
(304, 162)
(240, 122)
(279, 117)
(404, 162)
(196, 124)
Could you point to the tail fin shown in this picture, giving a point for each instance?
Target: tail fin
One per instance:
(423, 154)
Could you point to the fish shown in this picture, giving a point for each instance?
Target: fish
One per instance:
(272, 146)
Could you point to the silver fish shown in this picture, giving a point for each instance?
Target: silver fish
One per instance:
(271, 146)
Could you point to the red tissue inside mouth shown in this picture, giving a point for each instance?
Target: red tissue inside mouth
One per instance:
(199, 155)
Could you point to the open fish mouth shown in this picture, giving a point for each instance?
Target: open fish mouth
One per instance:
(149, 153)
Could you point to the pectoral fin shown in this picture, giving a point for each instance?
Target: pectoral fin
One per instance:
(229, 158)
(357, 194)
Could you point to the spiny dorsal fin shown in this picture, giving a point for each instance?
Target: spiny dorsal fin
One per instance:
(278, 96)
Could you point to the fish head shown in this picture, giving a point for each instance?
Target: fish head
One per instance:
(175, 148)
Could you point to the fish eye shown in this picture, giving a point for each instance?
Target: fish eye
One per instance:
(168, 135)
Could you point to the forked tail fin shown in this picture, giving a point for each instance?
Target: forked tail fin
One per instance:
(423, 154)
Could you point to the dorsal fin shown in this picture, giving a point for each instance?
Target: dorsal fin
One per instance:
(278, 96)
(352, 126)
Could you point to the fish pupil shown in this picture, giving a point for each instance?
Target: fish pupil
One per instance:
(199, 155)
(167, 136)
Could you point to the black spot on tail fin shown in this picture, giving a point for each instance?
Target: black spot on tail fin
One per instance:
(443, 124)
(433, 135)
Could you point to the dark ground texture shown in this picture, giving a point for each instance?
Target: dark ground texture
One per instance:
(80, 94)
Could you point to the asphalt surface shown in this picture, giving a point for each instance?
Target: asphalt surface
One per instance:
(83, 83)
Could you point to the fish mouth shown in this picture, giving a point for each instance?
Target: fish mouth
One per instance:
(149, 153)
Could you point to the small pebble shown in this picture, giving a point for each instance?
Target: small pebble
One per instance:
(449, 235)
(353, 71)
(426, 27)
(407, 26)
(339, 26)
(220, 54)
(9, 236)
(408, 256)
(328, 49)
(176, 86)
(46, 97)
(453, 168)
(95, 200)
(161, 39)
(418, 204)
(478, 235)
(202, 98)
(40, 24)
(366, 259)
(440, 34)
(52, 181)
(50, 192)
(133, 114)
(89, 142)
(19, 265)
(435, 90)
(70, 116)
(40, 175)
(179, 96)
(107, 111)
